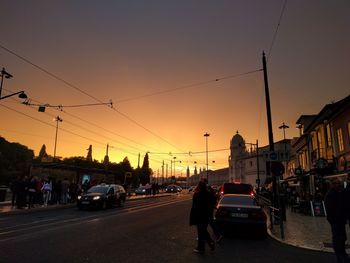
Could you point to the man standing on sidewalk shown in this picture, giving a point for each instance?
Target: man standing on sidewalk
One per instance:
(336, 216)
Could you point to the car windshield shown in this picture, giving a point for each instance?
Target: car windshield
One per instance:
(98, 189)
(238, 200)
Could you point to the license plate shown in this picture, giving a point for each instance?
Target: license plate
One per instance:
(240, 215)
(85, 202)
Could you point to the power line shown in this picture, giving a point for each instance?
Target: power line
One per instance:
(80, 90)
(60, 107)
(187, 86)
(83, 128)
(117, 111)
(276, 31)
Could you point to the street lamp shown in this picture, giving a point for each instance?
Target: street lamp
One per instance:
(206, 135)
(57, 119)
(284, 127)
(7, 75)
(174, 164)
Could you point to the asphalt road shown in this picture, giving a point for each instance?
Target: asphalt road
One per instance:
(152, 230)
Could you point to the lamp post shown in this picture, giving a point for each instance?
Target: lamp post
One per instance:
(206, 135)
(175, 165)
(284, 127)
(57, 119)
(7, 75)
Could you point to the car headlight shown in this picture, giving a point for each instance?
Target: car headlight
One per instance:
(143, 190)
(96, 197)
(79, 197)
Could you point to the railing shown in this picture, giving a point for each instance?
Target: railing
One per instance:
(274, 213)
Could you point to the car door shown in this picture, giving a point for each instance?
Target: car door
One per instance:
(111, 196)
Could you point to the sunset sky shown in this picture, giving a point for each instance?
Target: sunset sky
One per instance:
(158, 60)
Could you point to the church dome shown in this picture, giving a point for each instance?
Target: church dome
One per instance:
(237, 140)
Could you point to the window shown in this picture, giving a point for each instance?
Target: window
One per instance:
(329, 135)
(340, 140)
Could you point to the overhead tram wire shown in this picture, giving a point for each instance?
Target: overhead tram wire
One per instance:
(276, 31)
(87, 94)
(85, 129)
(60, 108)
(80, 90)
(92, 124)
(70, 132)
(186, 87)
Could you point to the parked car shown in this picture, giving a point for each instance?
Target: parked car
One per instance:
(141, 190)
(102, 196)
(236, 188)
(173, 189)
(238, 212)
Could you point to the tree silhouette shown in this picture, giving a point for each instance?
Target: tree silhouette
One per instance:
(145, 172)
(89, 154)
(42, 153)
(15, 159)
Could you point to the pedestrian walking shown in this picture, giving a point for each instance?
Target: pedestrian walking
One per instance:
(336, 216)
(31, 192)
(14, 186)
(46, 190)
(64, 191)
(347, 199)
(199, 216)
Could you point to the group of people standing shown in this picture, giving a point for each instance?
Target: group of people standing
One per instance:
(30, 191)
(202, 214)
(337, 202)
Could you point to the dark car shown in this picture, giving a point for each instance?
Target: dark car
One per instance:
(173, 189)
(102, 196)
(236, 188)
(237, 212)
(141, 190)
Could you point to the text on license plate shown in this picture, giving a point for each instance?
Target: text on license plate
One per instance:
(85, 202)
(240, 215)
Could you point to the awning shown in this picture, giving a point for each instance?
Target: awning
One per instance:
(335, 176)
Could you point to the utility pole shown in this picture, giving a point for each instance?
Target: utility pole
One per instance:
(57, 119)
(206, 135)
(257, 165)
(275, 179)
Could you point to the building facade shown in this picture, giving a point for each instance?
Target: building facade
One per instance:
(322, 151)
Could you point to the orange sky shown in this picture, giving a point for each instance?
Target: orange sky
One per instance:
(124, 50)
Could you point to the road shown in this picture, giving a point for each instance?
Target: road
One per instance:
(148, 230)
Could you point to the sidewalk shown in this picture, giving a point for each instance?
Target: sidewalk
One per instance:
(307, 232)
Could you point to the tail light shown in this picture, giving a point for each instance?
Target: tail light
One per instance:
(258, 215)
(252, 193)
(221, 192)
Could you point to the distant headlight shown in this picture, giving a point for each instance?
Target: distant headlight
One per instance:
(96, 197)
(79, 197)
(143, 190)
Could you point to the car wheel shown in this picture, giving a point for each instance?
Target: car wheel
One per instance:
(121, 202)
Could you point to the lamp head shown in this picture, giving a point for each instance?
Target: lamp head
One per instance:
(22, 95)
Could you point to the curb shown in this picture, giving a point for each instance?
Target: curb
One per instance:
(273, 236)
(59, 206)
